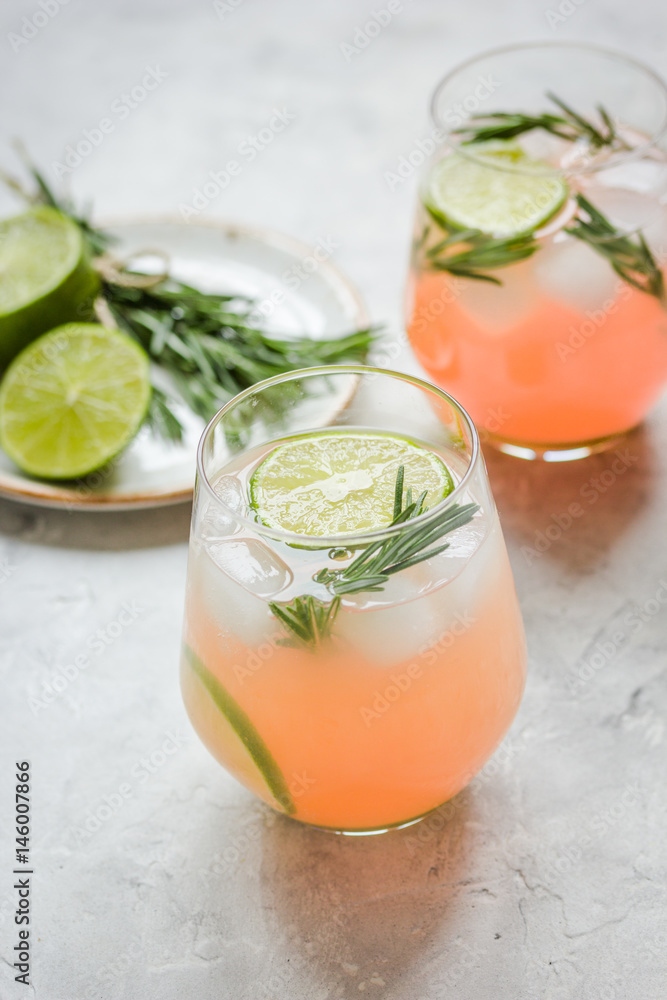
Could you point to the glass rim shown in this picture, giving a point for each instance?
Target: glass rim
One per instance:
(341, 540)
(621, 156)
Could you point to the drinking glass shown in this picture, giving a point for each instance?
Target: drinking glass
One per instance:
(416, 682)
(536, 292)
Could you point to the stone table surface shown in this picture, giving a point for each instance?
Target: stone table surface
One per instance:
(546, 878)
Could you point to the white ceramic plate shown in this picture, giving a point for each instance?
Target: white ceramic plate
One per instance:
(215, 256)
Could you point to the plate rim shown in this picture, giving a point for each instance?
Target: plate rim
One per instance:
(14, 487)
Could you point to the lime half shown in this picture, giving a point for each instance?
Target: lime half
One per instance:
(342, 483)
(247, 756)
(72, 400)
(45, 277)
(497, 189)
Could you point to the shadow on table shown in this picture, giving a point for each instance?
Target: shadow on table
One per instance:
(97, 530)
(363, 912)
(574, 512)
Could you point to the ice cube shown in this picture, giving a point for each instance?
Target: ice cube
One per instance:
(252, 564)
(233, 609)
(228, 488)
(647, 177)
(498, 309)
(386, 637)
(217, 520)
(626, 210)
(573, 273)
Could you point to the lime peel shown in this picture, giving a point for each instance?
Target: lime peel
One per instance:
(252, 746)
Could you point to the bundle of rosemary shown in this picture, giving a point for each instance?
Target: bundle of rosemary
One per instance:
(209, 345)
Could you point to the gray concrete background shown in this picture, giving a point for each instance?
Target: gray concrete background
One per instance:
(547, 881)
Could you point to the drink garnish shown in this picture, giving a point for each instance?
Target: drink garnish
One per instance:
(568, 125)
(629, 255)
(211, 346)
(309, 620)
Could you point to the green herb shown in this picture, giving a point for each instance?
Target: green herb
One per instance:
(208, 344)
(629, 256)
(309, 620)
(568, 125)
(97, 240)
(481, 254)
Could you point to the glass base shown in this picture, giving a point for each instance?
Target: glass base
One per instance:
(568, 452)
(373, 831)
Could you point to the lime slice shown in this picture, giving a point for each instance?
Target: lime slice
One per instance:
(45, 277)
(342, 483)
(247, 755)
(502, 191)
(72, 400)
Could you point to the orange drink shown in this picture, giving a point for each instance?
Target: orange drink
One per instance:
(353, 646)
(537, 284)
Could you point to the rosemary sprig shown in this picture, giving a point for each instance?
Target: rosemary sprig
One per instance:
(309, 620)
(208, 347)
(481, 252)
(206, 343)
(629, 256)
(568, 125)
(97, 240)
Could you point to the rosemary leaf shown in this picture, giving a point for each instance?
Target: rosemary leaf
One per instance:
(483, 253)
(161, 418)
(568, 125)
(206, 343)
(309, 620)
(630, 256)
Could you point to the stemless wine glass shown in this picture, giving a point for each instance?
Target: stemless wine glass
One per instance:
(350, 709)
(536, 292)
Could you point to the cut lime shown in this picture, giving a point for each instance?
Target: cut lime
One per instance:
(246, 754)
(342, 483)
(45, 277)
(72, 400)
(497, 189)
